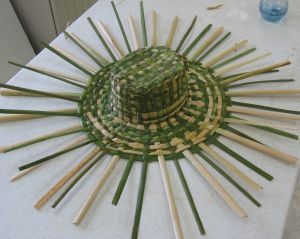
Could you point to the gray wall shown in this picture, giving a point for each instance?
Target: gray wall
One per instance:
(43, 20)
(37, 20)
(14, 44)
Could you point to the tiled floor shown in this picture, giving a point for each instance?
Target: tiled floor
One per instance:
(292, 230)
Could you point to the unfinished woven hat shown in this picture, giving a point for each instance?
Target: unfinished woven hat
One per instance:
(152, 102)
(157, 103)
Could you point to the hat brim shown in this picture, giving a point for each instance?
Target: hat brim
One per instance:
(195, 122)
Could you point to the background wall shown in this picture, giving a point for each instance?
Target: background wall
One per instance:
(65, 11)
(43, 20)
(25, 23)
(37, 20)
(14, 44)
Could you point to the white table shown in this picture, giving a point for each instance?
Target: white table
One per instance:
(18, 218)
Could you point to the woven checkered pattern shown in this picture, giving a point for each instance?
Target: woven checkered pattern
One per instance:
(149, 84)
(108, 113)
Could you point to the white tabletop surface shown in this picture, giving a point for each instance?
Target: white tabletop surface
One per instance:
(18, 218)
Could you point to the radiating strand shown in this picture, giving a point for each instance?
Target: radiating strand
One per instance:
(53, 75)
(111, 39)
(263, 107)
(121, 26)
(215, 184)
(197, 39)
(143, 23)
(133, 32)
(63, 132)
(230, 179)
(154, 28)
(240, 64)
(9, 92)
(38, 92)
(235, 120)
(64, 57)
(260, 92)
(172, 32)
(230, 166)
(186, 34)
(93, 194)
(95, 53)
(61, 182)
(171, 201)
(263, 113)
(223, 78)
(77, 179)
(255, 72)
(233, 130)
(257, 146)
(260, 82)
(234, 58)
(83, 48)
(54, 155)
(24, 172)
(207, 42)
(215, 59)
(19, 117)
(140, 197)
(102, 39)
(213, 47)
(68, 112)
(91, 68)
(189, 197)
(242, 160)
(272, 130)
(123, 181)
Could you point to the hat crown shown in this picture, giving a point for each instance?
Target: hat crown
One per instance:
(149, 85)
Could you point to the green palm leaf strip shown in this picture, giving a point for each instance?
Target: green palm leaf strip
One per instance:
(77, 179)
(121, 26)
(230, 179)
(47, 74)
(38, 92)
(260, 82)
(234, 58)
(189, 197)
(44, 138)
(67, 59)
(277, 131)
(143, 24)
(52, 156)
(233, 130)
(102, 39)
(272, 130)
(187, 33)
(255, 72)
(265, 107)
(140, 197)
(39, 112)
(123, 181)
(242, 160)
(213, 47)
(96, 54)
(197, 39)
(237, 74)
(230, 76)
(83, 48)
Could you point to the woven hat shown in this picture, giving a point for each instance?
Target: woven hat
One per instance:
(152, 102)
(157, 103)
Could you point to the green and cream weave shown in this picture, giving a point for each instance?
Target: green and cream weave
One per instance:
(152, 102)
